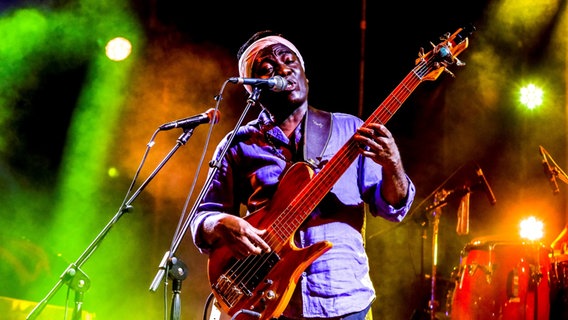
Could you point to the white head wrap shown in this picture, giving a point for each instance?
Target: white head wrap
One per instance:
(249, 55)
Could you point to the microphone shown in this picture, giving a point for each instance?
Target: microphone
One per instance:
(463, 216)
(211, 115)
(276, 83)
(485, 186)
(549, 172)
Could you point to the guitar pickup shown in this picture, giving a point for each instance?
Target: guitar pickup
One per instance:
(267, 262)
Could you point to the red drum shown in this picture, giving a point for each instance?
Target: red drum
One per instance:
(559, 287)
(559, 271)
(502, 279)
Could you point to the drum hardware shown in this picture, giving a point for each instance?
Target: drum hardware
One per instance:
(536, 275)
(511, 282)
(487, 270)
(431, 214)
(513, 286)
(559, 285)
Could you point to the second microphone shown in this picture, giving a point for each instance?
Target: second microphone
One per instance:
(210, 116)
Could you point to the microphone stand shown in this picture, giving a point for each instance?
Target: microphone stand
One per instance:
(440, 201)
(73, 276)
(169, 258)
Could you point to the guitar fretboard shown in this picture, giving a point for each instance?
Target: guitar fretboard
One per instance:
(309, 197)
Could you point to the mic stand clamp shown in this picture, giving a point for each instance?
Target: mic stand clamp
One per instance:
(78, 281)
(177, 272)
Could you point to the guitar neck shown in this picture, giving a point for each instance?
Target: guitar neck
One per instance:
(394, 101)
(310, 196)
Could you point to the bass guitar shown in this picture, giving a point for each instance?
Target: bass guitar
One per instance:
(260, 286)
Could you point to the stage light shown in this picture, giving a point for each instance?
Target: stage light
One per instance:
(531, 96)
(531, 229)
(118, 49)
(113, 172)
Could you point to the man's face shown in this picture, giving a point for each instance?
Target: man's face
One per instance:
(277, 59)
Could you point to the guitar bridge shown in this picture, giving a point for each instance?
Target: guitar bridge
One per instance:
(244, 277)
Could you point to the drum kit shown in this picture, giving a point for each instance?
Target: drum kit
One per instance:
(503, 278)
(507, 279)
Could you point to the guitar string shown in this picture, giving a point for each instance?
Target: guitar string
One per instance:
(354, 145)
(244, 264)
(247, 263)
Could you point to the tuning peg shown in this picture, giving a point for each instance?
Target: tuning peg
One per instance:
(446, 36)
(459, 63)
(448, 71)
(421, 53)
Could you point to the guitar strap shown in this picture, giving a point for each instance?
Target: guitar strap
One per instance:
(317, 129)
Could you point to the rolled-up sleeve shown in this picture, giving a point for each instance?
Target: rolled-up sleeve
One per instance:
(379, 207)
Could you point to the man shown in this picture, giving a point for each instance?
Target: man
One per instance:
(288, 131)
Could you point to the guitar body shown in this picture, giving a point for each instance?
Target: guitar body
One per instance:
(268, 295)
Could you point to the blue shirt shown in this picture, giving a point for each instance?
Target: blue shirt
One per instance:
(338, 282)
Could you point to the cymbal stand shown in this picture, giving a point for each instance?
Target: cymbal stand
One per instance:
(440, 201)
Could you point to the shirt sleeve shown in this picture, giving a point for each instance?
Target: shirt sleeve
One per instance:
(196, 227)
(379, 206)
(218, 199)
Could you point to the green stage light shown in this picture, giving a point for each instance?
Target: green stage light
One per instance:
(531, 96)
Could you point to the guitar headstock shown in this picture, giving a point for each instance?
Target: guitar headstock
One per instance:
(444, 54)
